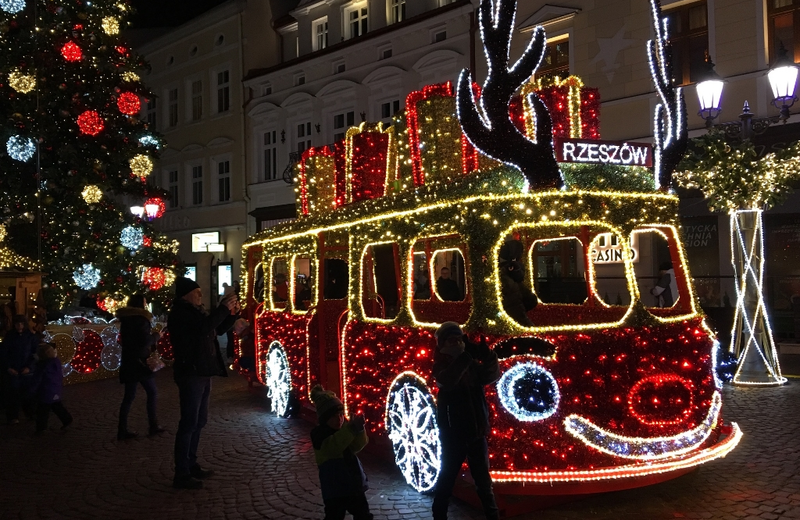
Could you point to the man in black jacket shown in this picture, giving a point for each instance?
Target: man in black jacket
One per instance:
(193, 334)
(461, 370)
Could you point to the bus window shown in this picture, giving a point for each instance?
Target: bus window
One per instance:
(258, 283)
(422, 277)
(610, 282)
(448, 264)
(655, 270)
(336, 279)
(280, 283)
(380, 281)
(559, 270)
(304, 278)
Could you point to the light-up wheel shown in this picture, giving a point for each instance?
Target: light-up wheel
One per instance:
(414, 431)
(279, 379)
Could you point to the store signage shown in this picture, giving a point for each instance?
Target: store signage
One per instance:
(606, 249)
(623, 153)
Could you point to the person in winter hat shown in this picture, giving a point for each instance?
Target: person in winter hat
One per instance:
(336, 442)
(193, 333)
(138, 341)
(461, 369)
(17, 358)
(49, 389)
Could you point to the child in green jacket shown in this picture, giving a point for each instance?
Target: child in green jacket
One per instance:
(336, 443)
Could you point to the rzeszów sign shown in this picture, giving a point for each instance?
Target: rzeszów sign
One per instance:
(623, 153)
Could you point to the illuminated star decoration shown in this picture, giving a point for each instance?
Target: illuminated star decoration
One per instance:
(528, 392)
(609, 52)
(22, 83)
(412, 427)
(20, 148)
(279, 382)
(12, 6)
(86, 276)
(131, 238)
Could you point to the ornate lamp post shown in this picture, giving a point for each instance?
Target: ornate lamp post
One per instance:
(751, 337)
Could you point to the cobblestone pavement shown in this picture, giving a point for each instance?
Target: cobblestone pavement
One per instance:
(265, 468)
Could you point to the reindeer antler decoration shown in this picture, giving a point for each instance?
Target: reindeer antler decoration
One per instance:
(670, 135)
(491, 130)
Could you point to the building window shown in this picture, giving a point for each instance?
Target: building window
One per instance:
(303, 136)
(197, 100)
(389, 109)
(172, 186)
(223, 91)
(397, 11)
(555, 62)
(357, 22)
(338, 67)
(688, 34)
(270, 154)
(224, 171)
(197, 185)
(173, 107)
(320, 34)
(784, 16)
(340, 124)
(151, 113)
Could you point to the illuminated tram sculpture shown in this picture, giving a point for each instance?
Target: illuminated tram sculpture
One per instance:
(605, 391)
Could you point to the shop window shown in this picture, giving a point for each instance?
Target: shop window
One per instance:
(304, 279)
(608, 261)
(280, 283)
(336, 279)
(559, 274)
(380, 281)
(658, 273)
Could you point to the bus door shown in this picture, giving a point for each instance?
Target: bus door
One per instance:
(325, 327)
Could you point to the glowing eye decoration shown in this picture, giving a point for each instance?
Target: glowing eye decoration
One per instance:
(86, 276)
(20, 82)
(92, 194)
(131, 238)
(90, 123)
(110, 25)
(141, 165)
(12, 6)
(20, 148)
(128, 103)
(71, 52)
(130, 77)
(528, 392)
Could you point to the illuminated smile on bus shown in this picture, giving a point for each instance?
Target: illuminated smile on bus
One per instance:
(644, 448)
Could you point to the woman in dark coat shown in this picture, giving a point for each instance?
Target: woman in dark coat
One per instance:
(138, 341)
(18, 350)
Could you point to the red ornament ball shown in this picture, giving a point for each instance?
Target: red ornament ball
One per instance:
(71, 51)
(128, 103)
(155, 278)
(90, 123)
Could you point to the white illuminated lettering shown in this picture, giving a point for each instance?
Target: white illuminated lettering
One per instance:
(568, 150)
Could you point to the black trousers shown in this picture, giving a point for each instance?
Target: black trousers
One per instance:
(336, 508)
(193, 393)
(454, 451)
(149, 385)
(43, 413)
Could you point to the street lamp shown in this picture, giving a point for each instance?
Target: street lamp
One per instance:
(709, 93)
(783, 80)
(137, 210)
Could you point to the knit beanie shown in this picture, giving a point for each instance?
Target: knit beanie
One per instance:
(325, 402)
(184, 286)
(447, 329)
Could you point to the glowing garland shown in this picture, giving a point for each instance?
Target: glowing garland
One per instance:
(86, 277)
(20, 148)
(647, 448)
(412, 428)
(529, 392)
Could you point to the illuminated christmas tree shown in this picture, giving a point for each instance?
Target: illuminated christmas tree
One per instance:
(75, 149)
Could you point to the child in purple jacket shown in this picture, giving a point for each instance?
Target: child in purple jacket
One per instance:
(49, 389)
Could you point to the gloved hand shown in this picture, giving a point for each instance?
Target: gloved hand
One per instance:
(357, 423)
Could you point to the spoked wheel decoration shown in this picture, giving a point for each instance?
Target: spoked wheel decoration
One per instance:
(413, 430)
(279, 379)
